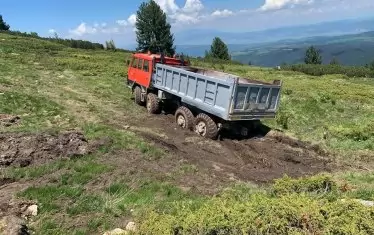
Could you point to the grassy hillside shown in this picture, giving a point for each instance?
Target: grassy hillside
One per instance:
(149, 172)
(356, 49)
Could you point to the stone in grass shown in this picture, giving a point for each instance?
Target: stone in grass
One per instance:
(116, 231)
(131, 226)
(32, 210)
(362, 202)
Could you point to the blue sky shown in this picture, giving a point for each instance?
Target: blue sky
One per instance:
(100, 21)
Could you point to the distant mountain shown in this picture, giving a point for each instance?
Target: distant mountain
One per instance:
(356, 49)
(195, 42)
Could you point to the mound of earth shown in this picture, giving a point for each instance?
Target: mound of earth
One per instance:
(8, 120)
(23, 149)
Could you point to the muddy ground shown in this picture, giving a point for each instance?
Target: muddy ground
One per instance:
(193, 163)
(23, 149)
(264, 156)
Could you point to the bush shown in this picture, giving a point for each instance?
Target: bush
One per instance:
(299, 206)
(319, 70)
(315, 184)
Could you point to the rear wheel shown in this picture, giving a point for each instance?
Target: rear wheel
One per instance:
(205, 126)
(153, 104)
(184, 118)
(138, 96)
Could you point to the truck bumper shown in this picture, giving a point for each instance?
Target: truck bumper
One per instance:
(238, 117)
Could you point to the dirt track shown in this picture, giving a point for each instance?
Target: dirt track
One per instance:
(260, 159)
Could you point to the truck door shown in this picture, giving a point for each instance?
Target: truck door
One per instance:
(140, 72)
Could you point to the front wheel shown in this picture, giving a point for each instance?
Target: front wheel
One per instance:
(138, 96)
(153, 104)
(205, 126)
(184, 118)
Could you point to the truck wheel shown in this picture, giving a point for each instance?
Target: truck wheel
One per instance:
(138, 96)
(153, 105)
(205, 126)
(184, 118)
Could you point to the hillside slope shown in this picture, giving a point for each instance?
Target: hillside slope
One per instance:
(356, 49)
(74, 143)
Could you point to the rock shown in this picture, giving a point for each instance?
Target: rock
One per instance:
(126, 127)
(366, 203)
(32, 210)
(12, 225)
(131, 226)
(117, 231)
(363, 202)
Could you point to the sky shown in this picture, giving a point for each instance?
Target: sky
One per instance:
(115, 19)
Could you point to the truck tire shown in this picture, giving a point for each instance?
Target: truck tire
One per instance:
(205, 126)
(184, 118)
(153, 104)
(138, 96)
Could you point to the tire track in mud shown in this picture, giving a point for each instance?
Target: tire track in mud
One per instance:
(258, 159)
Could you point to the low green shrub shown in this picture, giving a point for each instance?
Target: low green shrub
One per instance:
(319, 70)
(293, 206)
(315, 184)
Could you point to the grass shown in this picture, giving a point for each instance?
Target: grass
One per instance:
(312, 106)
(52, 87)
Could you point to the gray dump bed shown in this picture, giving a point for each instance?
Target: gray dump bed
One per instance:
(224, 95)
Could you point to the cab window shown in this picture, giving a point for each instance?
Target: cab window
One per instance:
(140, 64)
(135, 63)
(146, 66)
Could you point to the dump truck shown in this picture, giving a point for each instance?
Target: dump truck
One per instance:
(206, 101)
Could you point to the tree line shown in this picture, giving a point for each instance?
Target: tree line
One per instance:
(73, 43)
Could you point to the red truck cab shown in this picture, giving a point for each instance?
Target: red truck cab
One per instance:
(141, 68)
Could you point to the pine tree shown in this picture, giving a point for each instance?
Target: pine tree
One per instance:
(110, 45)
(219, 49)
(152, 29)
(312, 56)
(3, 25)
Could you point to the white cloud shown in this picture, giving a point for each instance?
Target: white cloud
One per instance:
(129, 22)
(223, 13)
(83, 29)
(280, 4)
(51, 31)
(193, 6)
(122, 22)
(168, 6)
(188, 14)
(132, 20)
